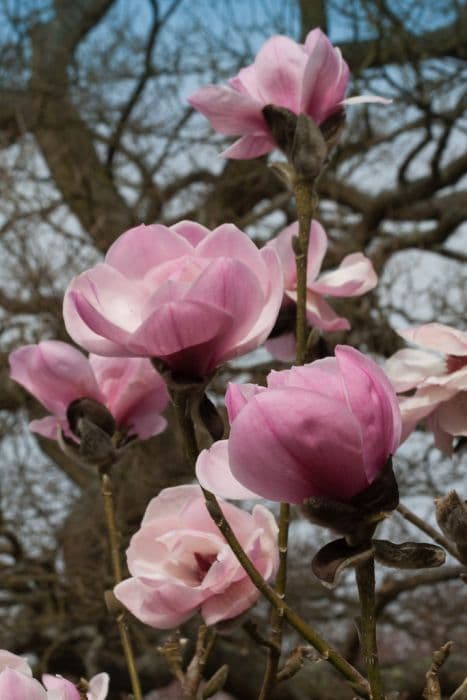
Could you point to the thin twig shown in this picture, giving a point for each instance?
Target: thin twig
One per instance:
(432, 532)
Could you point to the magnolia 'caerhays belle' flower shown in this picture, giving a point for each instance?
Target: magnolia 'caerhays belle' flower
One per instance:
(324, 429)
(57, 374)
(191, 297)
(180, 563)
(439, 376)
(354, 276)
(17, 683)
(309, 78)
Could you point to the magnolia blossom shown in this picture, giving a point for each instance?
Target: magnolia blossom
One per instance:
(180, 563)
(57, 374)
(354, 276)
(439, 376)
(309, 78)
(191, 297)
(324, 429)
(17, 683)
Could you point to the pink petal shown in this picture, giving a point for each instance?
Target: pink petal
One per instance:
(354, 276)
(250, 146)
(264, 323)
(238, 395)
(452, 414)
(229, 112)
(169, 503)
(183, 333)
(14, 662)
(438, 337)
(325, 77)
(279, 68)
(163, 606)
(415, 408)
(455, 380)
(191, 231)
(408, 368)
(374, 403)
(443, 440)
(48, 427)
(17, 686)
(317, 247)
(282, 244)
(143, 247)
(230, 603)
(321, 377)
(213, 473)
(60, 687)
(366, 99)
(321, 315)
(55, 373)
(301, 468)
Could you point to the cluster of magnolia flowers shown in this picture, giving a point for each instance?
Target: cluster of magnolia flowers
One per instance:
(193, 299)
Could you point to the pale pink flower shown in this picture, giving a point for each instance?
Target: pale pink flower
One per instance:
(439, 377)
(309, 78)
(191, 297)
(16, 681)
(59, 688)
(354, 276)
(180, 563)
(323, 429)
(57, 374)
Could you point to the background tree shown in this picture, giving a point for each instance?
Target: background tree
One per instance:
(95, 136)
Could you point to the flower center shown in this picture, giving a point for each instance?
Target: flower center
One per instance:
(203, 563)
(455, 362)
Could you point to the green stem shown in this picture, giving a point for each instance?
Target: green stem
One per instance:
(365, 576)
(182, 406)
(114, 548)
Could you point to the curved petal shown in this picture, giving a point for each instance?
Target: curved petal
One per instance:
(317, 247)
(17, 686)
(267, 457)
(213, 473)
(250, 146)
(99, 686)
(321, 315)
(59, 688)
(238, 395)
(164, 606)
(373, 401)
(138, 250)
(229, 111)
(408, 368)
(48, 427)
(55, 373)
(279, 68)
(169, 503)
(282, 244)
(437, 336)
(325, 77)
(354, 276)
(237, 598)
(15, 662)
(366, 99)
(282, 347)
(452, 415)
(270, 310)
(191, 231)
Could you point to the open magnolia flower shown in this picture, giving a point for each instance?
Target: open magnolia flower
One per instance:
(325, 429)
(354, 276)
(17, 683)
(191, 297)
(180, 563)
(439, 376)
(58, 374)
(309, 78)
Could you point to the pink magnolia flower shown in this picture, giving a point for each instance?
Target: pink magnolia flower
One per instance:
(309, 78)
(439, 377)
(192, 297)
(324, 429)
(57, 373)
(180, 563)
(354, 276)
(60, 689)
(17, 683)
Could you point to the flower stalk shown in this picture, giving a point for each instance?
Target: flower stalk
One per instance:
(365, 577)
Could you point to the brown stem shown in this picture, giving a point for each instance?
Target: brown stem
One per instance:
(114, 548)
(365, 575)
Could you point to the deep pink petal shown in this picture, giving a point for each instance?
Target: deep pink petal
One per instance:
(213, 473)
(354, 276)
(228, 111)
(266, 456)
(143, 247)
(373, 401)
(279, 68)
(325, 77)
